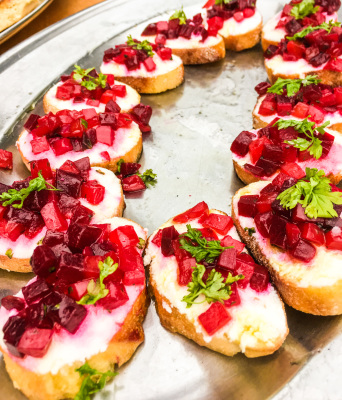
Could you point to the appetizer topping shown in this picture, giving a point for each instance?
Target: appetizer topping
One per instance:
(134, 54)
(86, 265)
(303, 9)
(132, 180)
(6, 159)
(319, 45)
(93, 381)
(297, 215)
(292, 86)
(178, 26)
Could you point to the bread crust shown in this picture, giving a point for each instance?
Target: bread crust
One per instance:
(312, 300)
(202, 55)
(332, 78)
(244, 41)
(12, 11)
(67, 382)
(131, 156)
(265, 43)
(155, 84)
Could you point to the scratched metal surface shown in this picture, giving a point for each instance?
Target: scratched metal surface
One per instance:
(193, 127)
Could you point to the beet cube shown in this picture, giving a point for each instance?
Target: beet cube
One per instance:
(136, 277)
(168, 235)
(116, 297)
(79, 289)
(229, 241)
(53, 217)
(35, 342)
(264, 203)
(93, 192)
(333, 239)
(81, 236)
(130, 259)
(31, 122)
(185, 270)
(157, 238)
(124, 236)
(71, 267)
(71, 314)
(219, 223)
(260, 278)
(247, 205)
(91, 266)
(303, 251)
(244, 266)
(227, 259)
(67, 204)
(129, 168)
(278, 232)
(313, 233)
(43, 261)
(292, 235)
(83, 164)
(214, 318)
(69, 183)
(81, 215)
(234, 298)
(241, 144)
(178, 251)
(133, 183)
(13, 302)
(193, 213)
(35, 291)
(263, 223)
(6, 159)
(13, 330)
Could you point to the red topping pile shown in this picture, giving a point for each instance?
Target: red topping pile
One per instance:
(291, 25)
(312, 101)
(65, 264)
(317, 48)
(71, 89)
(231, 260)
(173, 29)
(6, 159)
(291, 230)
(269, 152)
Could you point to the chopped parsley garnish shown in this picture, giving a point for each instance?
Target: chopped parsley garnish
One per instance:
(9, 253)
(82, 76)
(144, 45)
(148, 177)
(199, 247)
(179, 14)
(303, 9)
(93, 381)
(250, 231)
(97, 290)
(314, 193)
(312, 144)
(327, 26)
(141, 243)
(292, 85)
(215, 288)
(14, 196)
(84, 123)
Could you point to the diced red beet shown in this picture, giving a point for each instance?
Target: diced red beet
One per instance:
(71, 167)
(42, 166)
(333, 239)
(53, 217)
(31, 122)
(81, 236)
(13, 330)
(262, 88)
(71, 267)
(260, 278)
(35, 291)
(71, 314)
(39, 145)
(185, 270)
(214, 318)
(136, 277)
(93, 192)
(133, 183)
(35, 342)
(292, 235)
(244, 266)
(300, 110)
(78, 289)
(256, 148)
(313, 233)
(234, 299)
(227, 259)
(13, 302)
(229, 241)
(67, 205)
(6, 159)
(298, 214)
(129, 168)
(61, 146)
(263, 223)
(257, 171)
(316, 114)
(269, 167)
(157, 238)
(247, 205)
(43, 261)
(91, 267)
(116, 297)
(278, 232)
(218, 222)
(268, 107)
(130, 259)
(303, 251)
(265, 201)
(105, 134)
(124, 236)
(293, 170)
(69, 183)
(241, 144)
(11, 229)
(81, 215)
(193, 213)
(83, 164)
(168, 235)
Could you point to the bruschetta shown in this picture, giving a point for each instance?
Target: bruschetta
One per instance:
(314, 50)
(147, 67)
(218, 298)
(45, 202)
(68, 328)
(13, 11)
(69, 135)
(298, 99)
(187, 38)
(238, 22)
(288, 146)
(295, 16)
(297, 236)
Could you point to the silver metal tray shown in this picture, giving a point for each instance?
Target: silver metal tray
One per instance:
(13, 29)
(193, 127)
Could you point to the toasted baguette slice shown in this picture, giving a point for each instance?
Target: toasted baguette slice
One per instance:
(111, 206)
(332, 163)
(313, 288)
(52, 104)
(276, 68)
(12, 11)
(167, 75)
(127, 145)
(258, 326)
(260, 121)
(103, 340)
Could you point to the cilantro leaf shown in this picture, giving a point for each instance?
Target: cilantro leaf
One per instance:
(314, 193)
(144, 45)
(148, 177)
(13, 195)
(82, 76)
(97, 290)
(292, 85)
(326, 26)
(93, 381)
(303, 9)
(179, 14)
(199, 247)
(215, 288)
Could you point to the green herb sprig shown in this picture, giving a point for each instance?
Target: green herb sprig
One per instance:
(179, 14)
(303, 9)
(97, 290)
(219, 2)
(93, 381)
(14, 196)
(148, 177)
(314, 193)
(327, 26)
(143, 45)
(215, 288)
(314, 145)
(82, 76)
(199, 247)
(292, 85)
